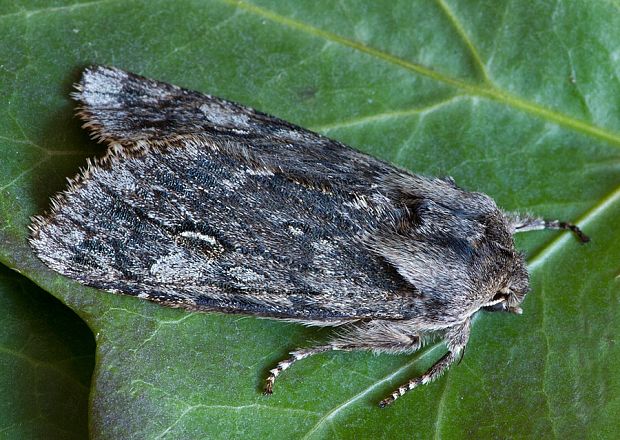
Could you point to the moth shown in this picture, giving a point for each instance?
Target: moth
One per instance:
(208, 205)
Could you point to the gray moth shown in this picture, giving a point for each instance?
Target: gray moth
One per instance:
(208, 205)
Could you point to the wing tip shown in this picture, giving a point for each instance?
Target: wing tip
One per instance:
(99, 90)
(100, 86)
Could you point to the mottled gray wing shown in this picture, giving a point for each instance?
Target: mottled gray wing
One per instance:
(205, 204)
(134, 114)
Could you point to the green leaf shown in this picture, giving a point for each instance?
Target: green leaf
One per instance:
(46, 359)
(515, 99)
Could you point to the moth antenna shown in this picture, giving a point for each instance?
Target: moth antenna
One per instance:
(557, 224)
(523, 224)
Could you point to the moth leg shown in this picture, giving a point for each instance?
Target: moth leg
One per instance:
(526, 223)
(379, 336)
(296, 355)
(456, 338)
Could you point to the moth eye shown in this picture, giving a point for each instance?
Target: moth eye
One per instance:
(501, 296)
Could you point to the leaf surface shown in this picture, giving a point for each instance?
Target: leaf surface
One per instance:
(519, 100)
(46, 359)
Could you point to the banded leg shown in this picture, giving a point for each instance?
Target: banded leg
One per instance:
(378, 336)
(434, 372)
(296, 355)
(456, 338)
(523, 224)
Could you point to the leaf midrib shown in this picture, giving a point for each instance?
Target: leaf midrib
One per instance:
(486, 90)
(600, 207)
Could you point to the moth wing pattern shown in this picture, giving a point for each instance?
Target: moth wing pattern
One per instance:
(215, 206)
(205, 204)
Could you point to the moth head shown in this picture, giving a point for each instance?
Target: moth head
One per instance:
(509, 296)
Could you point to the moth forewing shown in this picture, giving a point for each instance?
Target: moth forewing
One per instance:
(206, 204)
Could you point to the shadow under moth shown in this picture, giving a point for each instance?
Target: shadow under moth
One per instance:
(208, 205)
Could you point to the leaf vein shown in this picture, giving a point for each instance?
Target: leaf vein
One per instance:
(440, 409)
(27, 13)
(456, 23)
(38, 364)
(379, 117)
(547, 359)
(539, 258)
(329, 416)
(483, 91)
